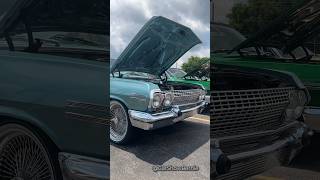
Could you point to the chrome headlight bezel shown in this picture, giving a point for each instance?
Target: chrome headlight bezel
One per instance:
(168, 99)
(160, 99)
(157, 99)
(297, 100)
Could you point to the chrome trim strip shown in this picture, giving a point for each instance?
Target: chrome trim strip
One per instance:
(293, 139)
(268, 132)
(312, 111)
(87, 118)
(194, 108)
(86, 106)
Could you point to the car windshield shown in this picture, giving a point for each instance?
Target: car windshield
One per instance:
(225, 38)
(179, 73)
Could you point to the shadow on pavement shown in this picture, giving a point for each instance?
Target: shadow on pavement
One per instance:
(176, 141)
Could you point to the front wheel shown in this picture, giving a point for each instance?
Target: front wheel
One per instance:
(121, 130)
(23, 156)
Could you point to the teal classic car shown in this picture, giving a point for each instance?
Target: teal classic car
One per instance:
(140, 94)
(53, 90)
(279, 46)
(255, 120)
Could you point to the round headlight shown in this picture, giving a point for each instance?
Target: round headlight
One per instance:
(297, 100)
(202, 97)
(157, 100)
(302, 98)
(168, 98)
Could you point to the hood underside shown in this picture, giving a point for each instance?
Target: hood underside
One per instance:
(290, 30)
(157, 46)
(89, 16)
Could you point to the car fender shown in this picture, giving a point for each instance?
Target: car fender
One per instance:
(25, 118)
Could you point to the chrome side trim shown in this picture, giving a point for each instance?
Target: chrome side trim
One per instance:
(312, 111)
(87, 118)
(85, 106)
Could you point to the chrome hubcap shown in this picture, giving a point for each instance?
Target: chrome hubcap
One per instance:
(119, 122)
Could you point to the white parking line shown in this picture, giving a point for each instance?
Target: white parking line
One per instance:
(201, 118)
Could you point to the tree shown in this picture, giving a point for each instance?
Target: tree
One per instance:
(196, 63)
(249, 17)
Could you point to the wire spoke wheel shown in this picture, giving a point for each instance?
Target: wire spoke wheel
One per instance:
(22, 157)
(119, 122)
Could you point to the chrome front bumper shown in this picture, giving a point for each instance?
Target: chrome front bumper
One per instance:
(149, 121)
(312, 117)
(76, 167)
(298, 135)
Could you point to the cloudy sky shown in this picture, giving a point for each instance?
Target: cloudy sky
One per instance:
(128, 16)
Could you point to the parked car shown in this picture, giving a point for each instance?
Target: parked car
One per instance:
(178, 75)
(279, 46)
(141, 96)
(53, 90)
(255, 120)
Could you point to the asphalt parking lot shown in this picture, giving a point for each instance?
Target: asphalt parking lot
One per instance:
(306, 166)
(183, 144)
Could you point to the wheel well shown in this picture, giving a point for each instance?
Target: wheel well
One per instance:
(122, 103)
(33, 128)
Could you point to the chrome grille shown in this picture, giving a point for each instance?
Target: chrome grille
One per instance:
(247, 111)
(186, 96)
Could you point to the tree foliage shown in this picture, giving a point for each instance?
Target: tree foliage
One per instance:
(196, 63)
(249, 17)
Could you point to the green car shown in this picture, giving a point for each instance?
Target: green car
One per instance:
(140, 94)
(178, 75)
(255, 120)
(279, 46)
(53, 90)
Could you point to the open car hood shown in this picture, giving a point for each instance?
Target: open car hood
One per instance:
(290, 30)
(89, 16)
(156, 47)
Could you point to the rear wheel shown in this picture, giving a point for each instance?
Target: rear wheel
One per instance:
(121, 130)
(23, 156)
